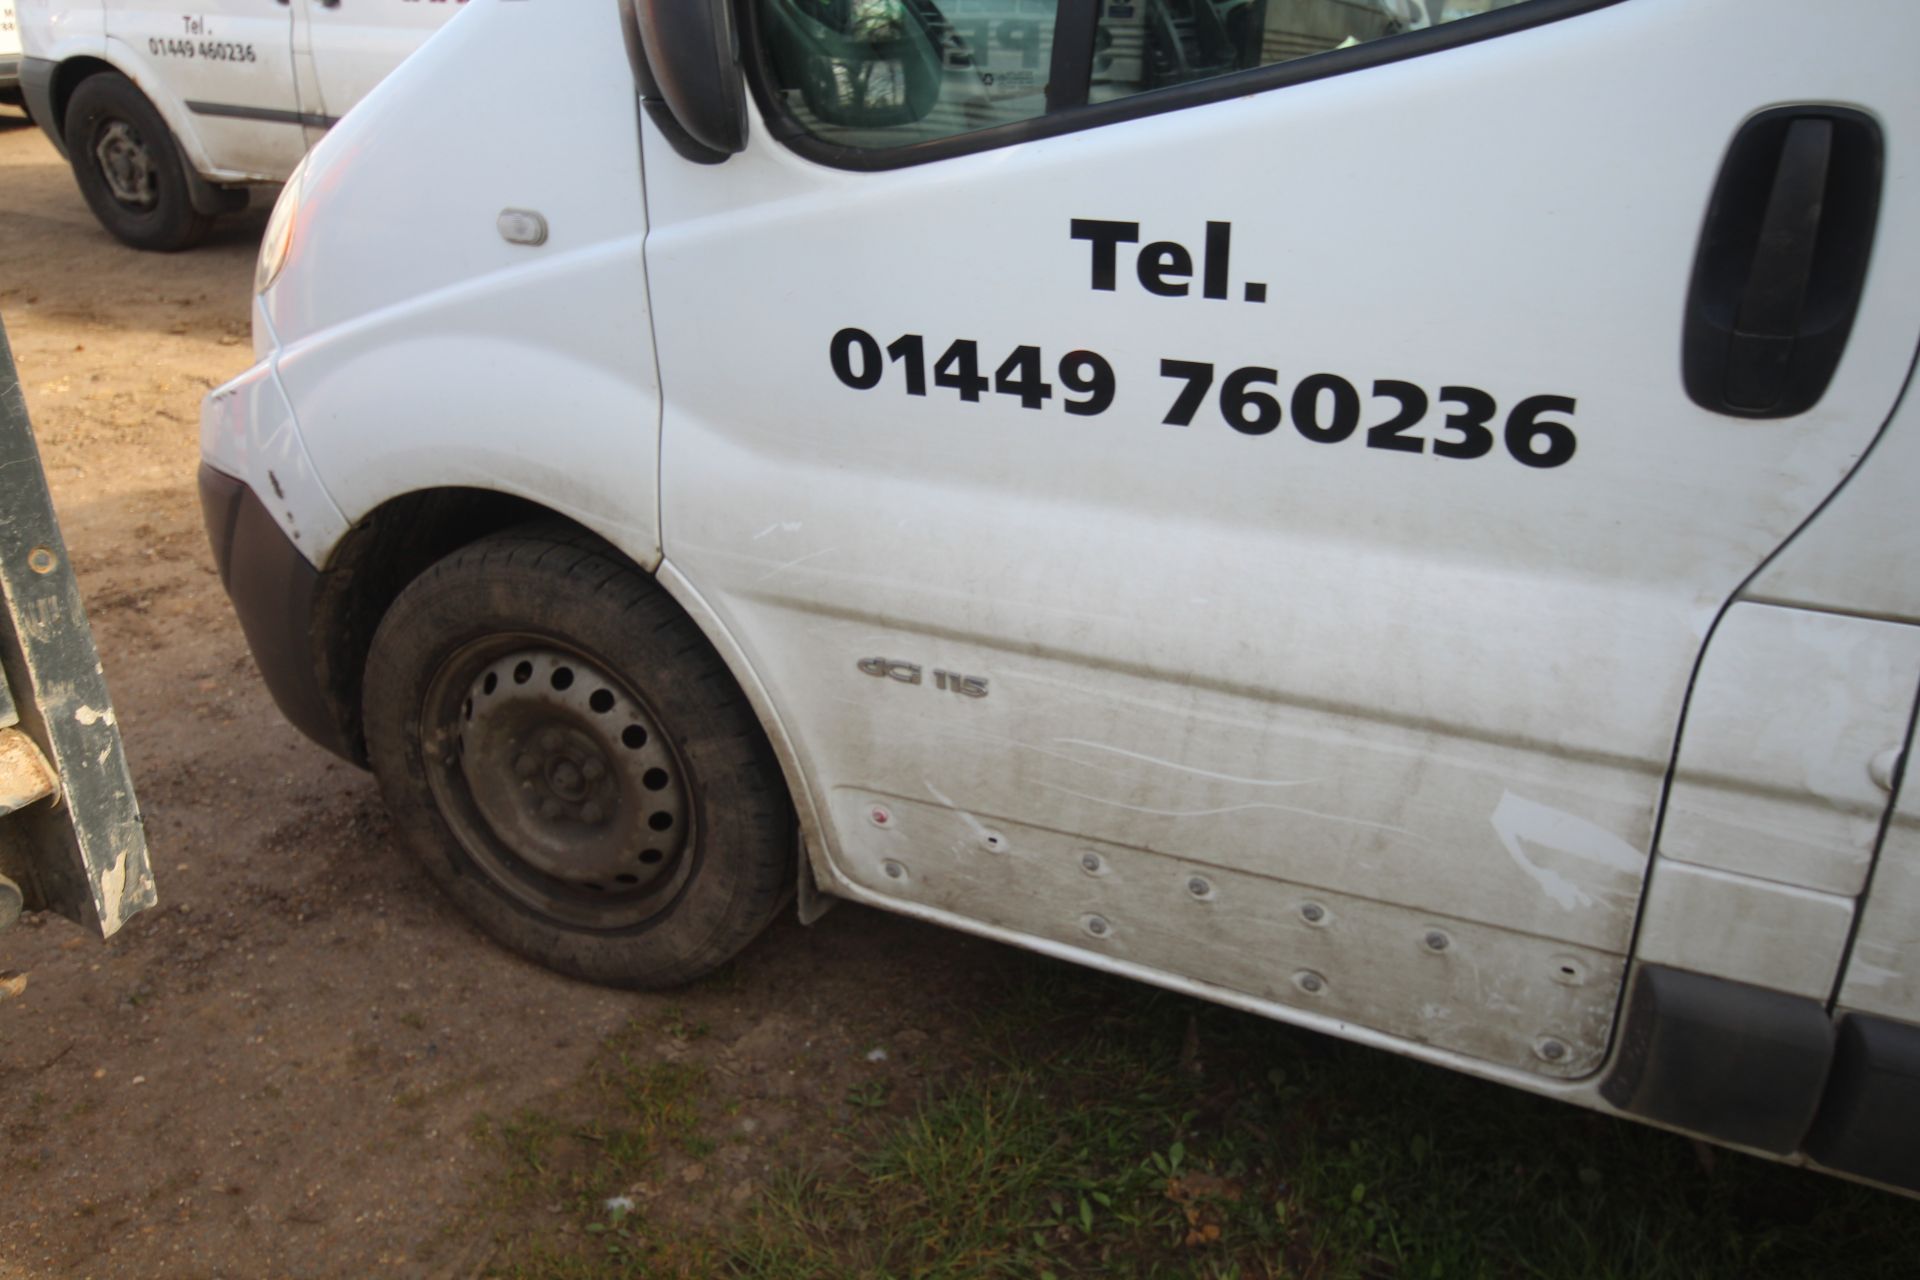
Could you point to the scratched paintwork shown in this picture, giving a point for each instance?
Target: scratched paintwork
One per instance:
(1488, 992)
(1782, 787)
(84, 854)
(1775, 811)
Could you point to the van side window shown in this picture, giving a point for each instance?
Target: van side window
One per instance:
(878, 75)
(887, 73)
(1150, 44)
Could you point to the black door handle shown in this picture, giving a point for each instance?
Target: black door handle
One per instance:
(1782, 261)
(1761, 351)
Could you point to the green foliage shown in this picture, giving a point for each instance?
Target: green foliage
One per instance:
(1103, 1129)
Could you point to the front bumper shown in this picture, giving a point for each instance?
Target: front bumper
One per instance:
(273, 589)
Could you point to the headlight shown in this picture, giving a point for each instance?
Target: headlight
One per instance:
(279, 238)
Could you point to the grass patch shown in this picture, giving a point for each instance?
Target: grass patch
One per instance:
(1109, 1130)
(567, 1183)
(1100, 1128)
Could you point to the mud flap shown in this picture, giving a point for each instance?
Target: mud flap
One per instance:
(810, 900)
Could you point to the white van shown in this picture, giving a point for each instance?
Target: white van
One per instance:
(1390, 517)
(168, 117)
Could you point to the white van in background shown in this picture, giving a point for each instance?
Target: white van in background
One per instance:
(168, 117)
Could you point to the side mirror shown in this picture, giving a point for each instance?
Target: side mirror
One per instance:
(689, 63)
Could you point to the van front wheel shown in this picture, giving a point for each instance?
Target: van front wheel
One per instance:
(574, 765)
(128, 168)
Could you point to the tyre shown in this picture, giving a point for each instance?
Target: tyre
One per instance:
(574, 765)
(128, 168)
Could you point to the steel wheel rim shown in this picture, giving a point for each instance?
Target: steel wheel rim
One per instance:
(559, 781)
(127, 165)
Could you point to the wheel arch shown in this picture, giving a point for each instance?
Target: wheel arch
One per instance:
(67, 75)
(72, 71)
(374, 561)
(394, 543)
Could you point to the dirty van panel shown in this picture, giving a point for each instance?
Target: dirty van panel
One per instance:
(1292, 494)
(71, 838)
(1882, 975)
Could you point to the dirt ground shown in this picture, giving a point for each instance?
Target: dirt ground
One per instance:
(282, 1069)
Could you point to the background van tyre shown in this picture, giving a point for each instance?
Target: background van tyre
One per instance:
(128, 167)
(574, 765)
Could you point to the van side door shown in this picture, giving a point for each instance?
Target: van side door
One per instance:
(355, 44)
(1228, 507)
(230, 63)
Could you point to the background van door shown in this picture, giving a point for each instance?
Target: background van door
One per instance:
(231, 63)
(355, 44)
(1307, 481)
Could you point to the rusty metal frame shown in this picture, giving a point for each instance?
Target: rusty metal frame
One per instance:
(83, 850)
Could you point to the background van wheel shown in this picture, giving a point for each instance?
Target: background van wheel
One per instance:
(128, 167)
(573, 763)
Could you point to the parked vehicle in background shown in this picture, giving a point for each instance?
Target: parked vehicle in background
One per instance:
(9, 55)
(71, 839)
(1397, 522)
(169, 116)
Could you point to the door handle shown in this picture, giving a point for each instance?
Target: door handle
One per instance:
(1768, 317)
(1782, 261)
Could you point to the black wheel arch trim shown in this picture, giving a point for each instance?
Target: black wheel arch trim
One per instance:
(310, 629)
(36, 86)
(274, 590)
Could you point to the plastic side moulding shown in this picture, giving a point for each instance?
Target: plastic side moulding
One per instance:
(1871, 1112)
(1732, 1061)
